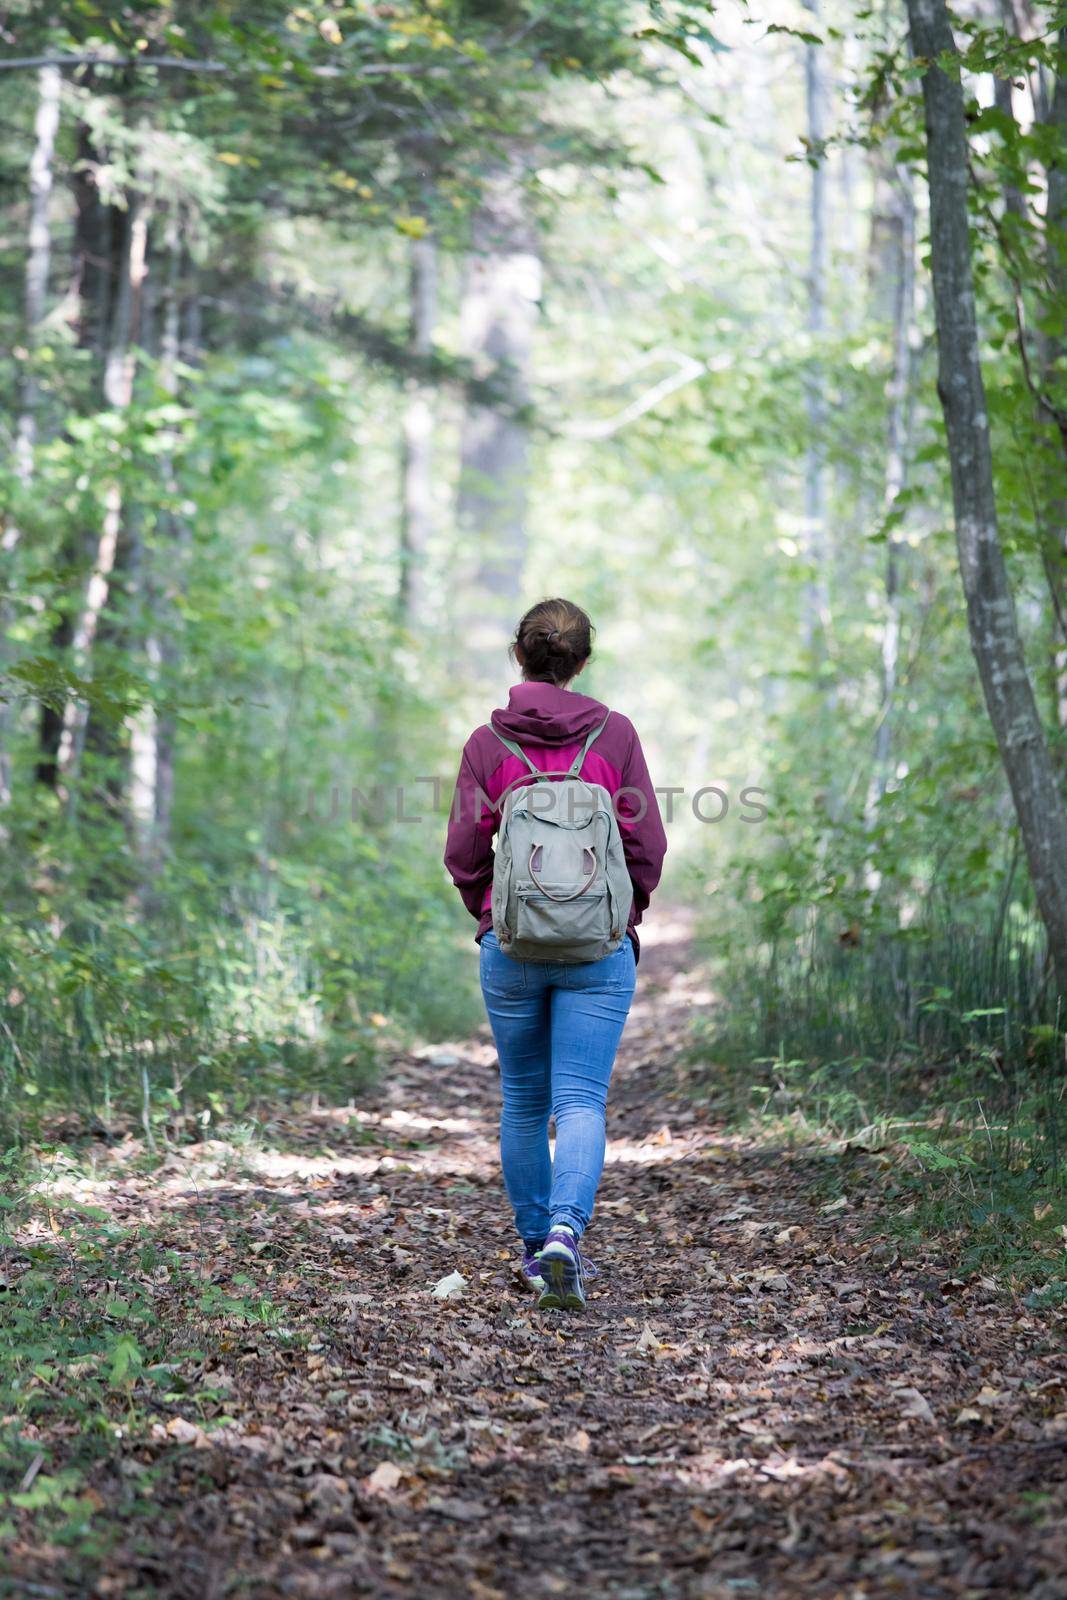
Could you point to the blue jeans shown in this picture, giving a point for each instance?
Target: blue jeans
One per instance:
(556, 1029)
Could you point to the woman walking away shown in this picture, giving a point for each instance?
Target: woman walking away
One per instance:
(560, 783)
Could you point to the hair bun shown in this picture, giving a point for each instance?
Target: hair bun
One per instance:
(553, 641)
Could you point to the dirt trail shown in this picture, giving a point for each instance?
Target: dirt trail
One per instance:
(760, 1400)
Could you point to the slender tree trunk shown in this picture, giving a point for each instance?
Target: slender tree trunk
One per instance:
(153, 730)
(142, 622)
(1004, 100)
(183, 334)
(89, 296)
(38, 263)
(38, 259)
(897, 453)
(119, 366)
(817, 606)
(498, 316)
(416, 467)
(851, 177)
(1052, 369)
(994, 631)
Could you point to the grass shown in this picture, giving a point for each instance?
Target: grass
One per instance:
(939, 1052)
(224, 1001)
(104, 1330)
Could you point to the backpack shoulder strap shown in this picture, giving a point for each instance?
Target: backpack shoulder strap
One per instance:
(516, 750)
(576, 764)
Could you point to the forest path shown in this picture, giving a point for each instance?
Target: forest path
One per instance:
(761, 1398)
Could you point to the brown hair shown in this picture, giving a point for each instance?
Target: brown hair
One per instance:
(553, 641)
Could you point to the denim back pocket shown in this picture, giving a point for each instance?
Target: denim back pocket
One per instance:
(500, 974)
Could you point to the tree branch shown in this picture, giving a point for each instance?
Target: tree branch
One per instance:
(688, 369)
(94, 59)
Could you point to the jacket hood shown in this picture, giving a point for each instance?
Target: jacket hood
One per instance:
(539, 713)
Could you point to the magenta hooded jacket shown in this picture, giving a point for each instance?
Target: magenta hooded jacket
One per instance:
(551, 724)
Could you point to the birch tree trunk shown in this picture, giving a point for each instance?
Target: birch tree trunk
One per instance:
(182, 336)
(38, 262)
(416, 466)
(143, 727)
(153, 729)
(498, 316)
(991, 617)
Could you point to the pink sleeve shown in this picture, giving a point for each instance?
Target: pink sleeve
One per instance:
(469, 844)
(643, 837)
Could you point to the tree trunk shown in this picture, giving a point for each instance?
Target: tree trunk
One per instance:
(90, 296)
(817, 599)
(851, 187)
(153, 730)
(498, 315)
(1052, 369)
(119, 366)
(1004, 100)
(416, 468)
(189, 335)
(38, 262)
(897, 452)
(991, 617)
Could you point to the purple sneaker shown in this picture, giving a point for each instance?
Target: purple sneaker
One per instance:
(529, 1272)
(564, 1270)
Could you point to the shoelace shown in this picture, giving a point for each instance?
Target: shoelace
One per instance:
(587, 1267)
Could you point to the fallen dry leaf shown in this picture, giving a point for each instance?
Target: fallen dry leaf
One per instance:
(915, 1404)
(385, 1477)
(182, 1431)
(450, 1287)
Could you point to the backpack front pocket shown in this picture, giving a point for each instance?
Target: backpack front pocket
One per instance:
(566, 924)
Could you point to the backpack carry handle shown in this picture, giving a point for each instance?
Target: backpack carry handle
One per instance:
(560, 898)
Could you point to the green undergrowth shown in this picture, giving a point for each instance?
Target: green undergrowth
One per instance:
(221, 999)
(941, 1057)
(107, 1333)
(980, 1179)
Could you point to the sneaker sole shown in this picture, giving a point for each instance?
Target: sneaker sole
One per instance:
(562, 1291)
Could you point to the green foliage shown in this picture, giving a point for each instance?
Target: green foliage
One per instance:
(892, 1045)
(104, 1331)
